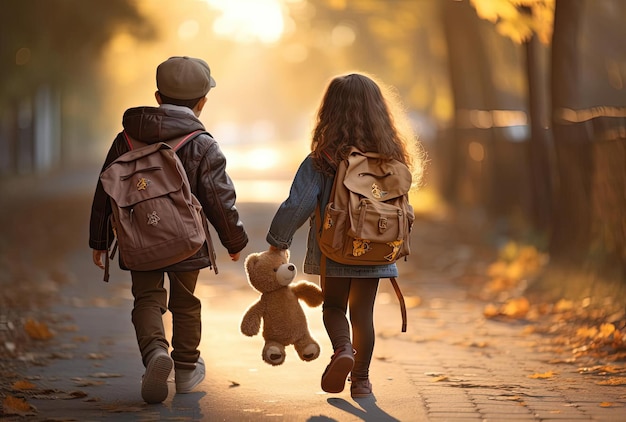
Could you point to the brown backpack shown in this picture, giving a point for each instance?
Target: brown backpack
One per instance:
(368, 218)
(156, 219)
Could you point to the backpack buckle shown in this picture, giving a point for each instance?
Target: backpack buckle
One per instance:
(382, 224)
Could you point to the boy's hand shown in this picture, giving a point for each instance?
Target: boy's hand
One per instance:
(234, 256)
(97, 258)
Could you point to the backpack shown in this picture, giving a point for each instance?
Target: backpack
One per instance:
(156, 219)
(368, 218)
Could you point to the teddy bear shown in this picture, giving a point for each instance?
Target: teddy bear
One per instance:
(284, 323)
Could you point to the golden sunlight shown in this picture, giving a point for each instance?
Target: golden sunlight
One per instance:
(248, 21)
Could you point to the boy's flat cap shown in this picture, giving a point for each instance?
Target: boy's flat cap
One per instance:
(184, 78)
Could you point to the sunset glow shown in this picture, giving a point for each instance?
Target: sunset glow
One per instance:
(249, 21)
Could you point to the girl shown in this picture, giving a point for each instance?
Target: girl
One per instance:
(353, 113)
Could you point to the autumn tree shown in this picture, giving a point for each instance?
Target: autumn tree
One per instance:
(529, 23)
(487, 155)
(48, 48)
(589, 124)
(577, 110)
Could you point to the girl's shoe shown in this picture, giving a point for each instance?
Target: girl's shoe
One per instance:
(360, 388)
(341, 363)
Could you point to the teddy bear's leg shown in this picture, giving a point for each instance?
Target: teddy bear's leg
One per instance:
(307, 348)
(273, 353)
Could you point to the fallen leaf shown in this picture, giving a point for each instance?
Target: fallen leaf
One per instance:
(607, 404)
(37, 330)
(16, 406)
(77, 394)
(559, 360)
(60, 355)
(496, 269)
(491, 311)
(23, 385)
(105, 375)
(563, 305)
(613, 381)
(512, 308)
(96, 356)
(87, 383)
(606, 330)
(516, 308)
(500, 284)
(515, 270)
(545, 375)
(603, 370)
(587, 332)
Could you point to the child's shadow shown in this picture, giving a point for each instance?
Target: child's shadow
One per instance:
(369, 410)
(185, 407)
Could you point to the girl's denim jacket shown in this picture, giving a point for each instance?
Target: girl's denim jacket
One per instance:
(308, 187)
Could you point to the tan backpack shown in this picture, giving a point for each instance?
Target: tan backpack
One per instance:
(156, 219)
(368, 218)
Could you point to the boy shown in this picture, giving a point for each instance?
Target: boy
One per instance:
(182, 86)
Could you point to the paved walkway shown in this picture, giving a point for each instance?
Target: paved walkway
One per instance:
(451, 365)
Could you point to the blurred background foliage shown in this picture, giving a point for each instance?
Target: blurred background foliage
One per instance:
(520, 104)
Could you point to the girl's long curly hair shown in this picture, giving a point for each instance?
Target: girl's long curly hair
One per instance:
(354, 112)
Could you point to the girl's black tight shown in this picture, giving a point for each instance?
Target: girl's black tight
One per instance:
(357, 296)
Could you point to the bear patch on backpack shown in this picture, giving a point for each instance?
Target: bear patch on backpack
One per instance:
(156, 219)
(368, 218)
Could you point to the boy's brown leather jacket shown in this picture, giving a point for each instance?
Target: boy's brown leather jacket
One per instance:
(206, 169)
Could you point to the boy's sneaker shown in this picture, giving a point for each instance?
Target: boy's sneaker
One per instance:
(188, 379)
(154, 383)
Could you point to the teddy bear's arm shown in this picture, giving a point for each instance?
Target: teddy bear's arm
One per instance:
(251, 321)
(310, 293)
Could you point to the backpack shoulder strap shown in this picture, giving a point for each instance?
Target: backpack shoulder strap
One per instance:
(319, 212)
(394, 283)
(177, 143)
(174, 143)
(132, 143)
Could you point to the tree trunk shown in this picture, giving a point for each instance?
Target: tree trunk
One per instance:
(588, 240)
(572, 218)
(487, 167)
(540, 145)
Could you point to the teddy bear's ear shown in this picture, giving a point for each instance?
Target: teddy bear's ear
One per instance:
(283, 252)
(251, 260)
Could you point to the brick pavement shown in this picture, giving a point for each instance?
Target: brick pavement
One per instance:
(468, 368)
